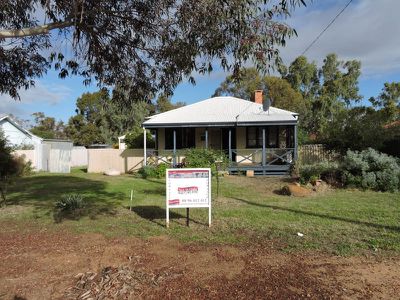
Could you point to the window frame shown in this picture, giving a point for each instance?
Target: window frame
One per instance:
(259, 134)
(185, 138)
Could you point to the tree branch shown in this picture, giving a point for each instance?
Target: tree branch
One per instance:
(42, 29)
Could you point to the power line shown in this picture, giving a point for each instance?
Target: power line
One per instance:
(326, 28)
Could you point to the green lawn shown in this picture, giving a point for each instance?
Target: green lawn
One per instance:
(341, 221)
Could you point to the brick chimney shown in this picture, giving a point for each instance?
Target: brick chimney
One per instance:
(258, 97)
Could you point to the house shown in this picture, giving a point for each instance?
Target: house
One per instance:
(16, 134)
(46, 154)
(253, 136)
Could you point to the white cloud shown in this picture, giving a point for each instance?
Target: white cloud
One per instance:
(40, 94)
(366, 31)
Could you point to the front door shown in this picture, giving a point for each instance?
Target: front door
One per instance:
(214, 138)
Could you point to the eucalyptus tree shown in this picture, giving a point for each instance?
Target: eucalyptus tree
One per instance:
(154, 43)
(389, 101)
(327, 90)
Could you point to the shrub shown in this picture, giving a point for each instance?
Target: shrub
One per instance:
(134, 139)
(206, 158)
(11, 167)
(370, 169)
(161, 170)
(147, 172)
(153, 171)
(328, 171)
(70, 203)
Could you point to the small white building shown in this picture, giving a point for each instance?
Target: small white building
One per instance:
(47, 155)
(16, 134)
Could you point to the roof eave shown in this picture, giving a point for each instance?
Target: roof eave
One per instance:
(221, 124)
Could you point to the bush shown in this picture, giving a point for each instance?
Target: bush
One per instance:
(328, 171)
(370, 169)
(70, 203)
(153, 171)
(11, 167)
(134, 139)
(194, 158)
(206, 158)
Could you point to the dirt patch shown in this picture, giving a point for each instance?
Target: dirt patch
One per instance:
(51, 265)
(295, 190)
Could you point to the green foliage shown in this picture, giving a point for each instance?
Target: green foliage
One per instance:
(102, 119)
(164, 104)
(326, 91)
(328, 171)
(389, 100)
(284, 96)
(158, 43)
(47, 127)
(23, 167)
(206, 158)
(11, 167)
(85, 127)
(242, 85)
(161, 170)
(391, 143)
(280, 92)
(370, 169)
(70, 203)
(152, 171)
(356, 129)
(134, 139)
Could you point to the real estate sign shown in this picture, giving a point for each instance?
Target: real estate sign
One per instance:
(188, 188)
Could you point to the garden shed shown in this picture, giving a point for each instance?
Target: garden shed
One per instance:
(45, 154)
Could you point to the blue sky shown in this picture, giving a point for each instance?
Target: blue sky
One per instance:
(366, 31)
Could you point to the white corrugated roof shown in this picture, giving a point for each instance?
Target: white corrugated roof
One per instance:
(221, 110)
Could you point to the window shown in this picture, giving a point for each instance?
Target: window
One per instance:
(254, 138)
(185, 138)
(273, 137)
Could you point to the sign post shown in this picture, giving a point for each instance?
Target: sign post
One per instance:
(188, 188)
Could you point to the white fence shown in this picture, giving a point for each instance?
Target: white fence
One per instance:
(79, 156)
(29, 155)
(51, 156)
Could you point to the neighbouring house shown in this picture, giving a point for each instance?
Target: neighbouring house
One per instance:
(46, 154)
(254, 137)
(17, 135)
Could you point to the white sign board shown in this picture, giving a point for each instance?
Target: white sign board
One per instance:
(188, 188)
